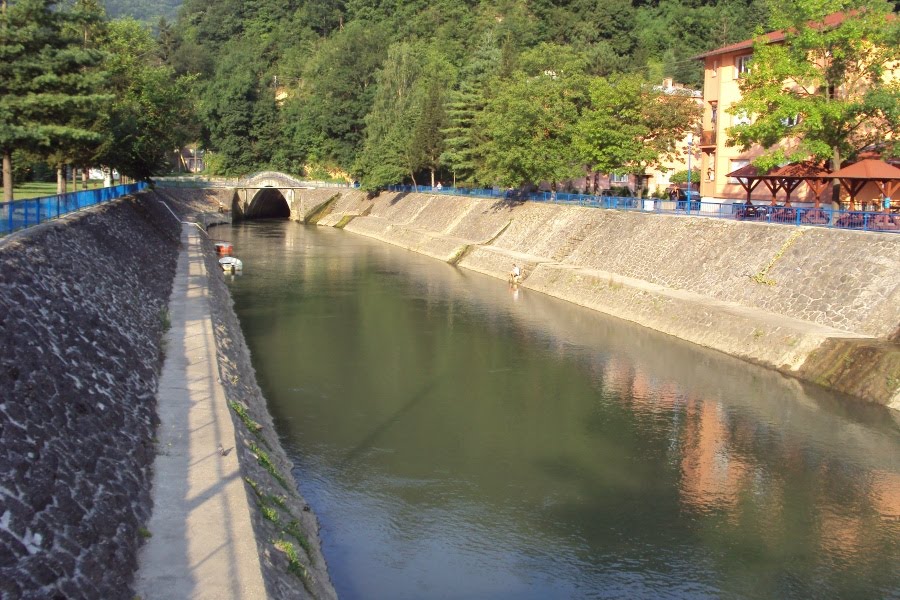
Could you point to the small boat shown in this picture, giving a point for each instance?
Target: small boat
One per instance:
(230, 264)
(224, 248)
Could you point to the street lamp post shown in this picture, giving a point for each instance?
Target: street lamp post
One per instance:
(690, 144)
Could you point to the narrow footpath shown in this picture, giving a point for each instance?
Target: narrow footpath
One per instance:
(201, 542)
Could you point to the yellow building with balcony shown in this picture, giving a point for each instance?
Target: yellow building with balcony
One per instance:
(723, 70)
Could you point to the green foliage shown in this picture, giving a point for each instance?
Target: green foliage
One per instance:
(325, 118)
(251, 425)
(404, 128)
(240, 112)
(682, 177)
(50, 79)
(822, 93)
(150, 100)
(529, 123)
(631, 126)
(142, 10)
(326, 62)
(265, 462)
(294, 565)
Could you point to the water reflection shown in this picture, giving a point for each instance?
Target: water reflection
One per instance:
(463, 438)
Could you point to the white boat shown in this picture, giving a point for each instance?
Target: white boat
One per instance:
(231, 264)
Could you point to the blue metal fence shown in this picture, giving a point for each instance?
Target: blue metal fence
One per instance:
(785, 215)
(20, 214)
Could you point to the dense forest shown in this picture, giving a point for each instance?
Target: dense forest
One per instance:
(146, 11)
(480, 92)
(387, 89)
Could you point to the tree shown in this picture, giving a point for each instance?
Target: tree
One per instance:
(824, 92)
(529, 125)
(239, 110)
(404, 129)
(153, 109)
(325, 116)
(631, 126)
(464, 104)
(87, 23)
(48, 82)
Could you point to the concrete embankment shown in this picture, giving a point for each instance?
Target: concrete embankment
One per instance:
(85, 308)
(820, 304)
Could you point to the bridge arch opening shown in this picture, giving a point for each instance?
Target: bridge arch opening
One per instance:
(268, 203)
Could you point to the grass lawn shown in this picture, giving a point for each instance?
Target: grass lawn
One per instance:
(37, 189)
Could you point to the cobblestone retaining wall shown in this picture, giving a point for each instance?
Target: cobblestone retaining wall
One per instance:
(768, 293)
(83, 311)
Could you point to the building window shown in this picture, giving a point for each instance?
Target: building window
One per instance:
(735, 165)
(618, 178)
(714, 115)
(715, 68)
(742, 65)
(740, 120)
(790, 121)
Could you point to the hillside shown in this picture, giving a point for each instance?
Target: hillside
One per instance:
(148, 11)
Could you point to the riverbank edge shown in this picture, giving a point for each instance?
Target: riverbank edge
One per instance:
(859, 364)
(286, 529)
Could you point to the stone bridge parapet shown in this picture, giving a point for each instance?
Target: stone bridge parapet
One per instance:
(274, 194)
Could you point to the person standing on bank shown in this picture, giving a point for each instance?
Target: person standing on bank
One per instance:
(515, 274)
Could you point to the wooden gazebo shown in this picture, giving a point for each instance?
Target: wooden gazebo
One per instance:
(787, 178)
(854, 177)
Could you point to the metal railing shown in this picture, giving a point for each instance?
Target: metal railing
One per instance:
(195, 182)
(784, 215)
(20, 214)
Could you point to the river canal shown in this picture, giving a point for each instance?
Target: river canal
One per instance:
(459, 438)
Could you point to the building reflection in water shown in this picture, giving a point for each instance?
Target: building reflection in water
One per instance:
(722, 480)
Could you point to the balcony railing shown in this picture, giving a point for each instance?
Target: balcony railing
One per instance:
(708, 138)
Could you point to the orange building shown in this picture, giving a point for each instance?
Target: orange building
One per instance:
(724, 68)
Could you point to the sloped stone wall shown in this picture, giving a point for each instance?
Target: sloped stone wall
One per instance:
(847, 280)
(83, 310)
(771, 294)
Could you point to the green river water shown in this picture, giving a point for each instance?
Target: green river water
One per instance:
(458, 438)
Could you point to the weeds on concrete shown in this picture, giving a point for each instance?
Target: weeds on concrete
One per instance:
(165, 319)
(266, 499)
(293, 528)
(762, 276)
(266, 504)
(322, 210)
(254, 427)
(266, 463)
(294, 564)
(459, 254)
(269, 513)
(345, 220)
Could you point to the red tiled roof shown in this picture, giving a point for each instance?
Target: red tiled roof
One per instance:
(801, 170)
(748, 171)
(771, 37)
(870, 168)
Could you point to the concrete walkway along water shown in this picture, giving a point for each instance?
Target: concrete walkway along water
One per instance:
(201, 542)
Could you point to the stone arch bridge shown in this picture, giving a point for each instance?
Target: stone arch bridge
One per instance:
(273, 195)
